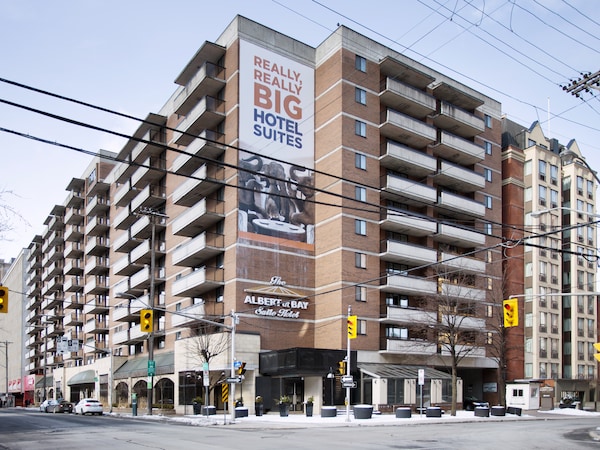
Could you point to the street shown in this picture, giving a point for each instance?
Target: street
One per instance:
(27, 429)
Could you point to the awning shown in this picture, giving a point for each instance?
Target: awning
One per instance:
(84, 377)
(380, 370)
(138, 367)
(49, 382)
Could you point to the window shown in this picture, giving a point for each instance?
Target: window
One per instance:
(360, 293)
(542, 195)
(395, 332)
(553, 174)
(360, 260)
(360, 161)
(488, 120)
(361, 327)
(531, 143)
(487, 228)
(553, 198)
(360, 193)
(487, 201)
(542, 170)
(487, 174)
(360, 227)
(527, 167)
(360, 128)
(396, 300)
(360, 95)
(488, 147)
(580, 185)
(590, 189)
(360, 63)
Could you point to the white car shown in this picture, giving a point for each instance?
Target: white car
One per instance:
(88, 406)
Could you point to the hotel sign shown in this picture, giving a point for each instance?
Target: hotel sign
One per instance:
(275, 300)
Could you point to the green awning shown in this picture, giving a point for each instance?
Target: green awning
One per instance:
(49, 382)
(138, 367)
(84, 377)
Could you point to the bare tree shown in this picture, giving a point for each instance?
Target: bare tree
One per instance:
(206, 343)
(8, 215)
(458, 322)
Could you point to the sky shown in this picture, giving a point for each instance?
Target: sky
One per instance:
(125, 55)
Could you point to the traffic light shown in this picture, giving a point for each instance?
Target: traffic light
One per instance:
(597, 347)
(511, 312)
(3, 299)
(242, 369)
(352, 320)
(146, 320)
(342, 367)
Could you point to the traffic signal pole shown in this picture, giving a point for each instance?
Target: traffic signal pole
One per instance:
(348, 367)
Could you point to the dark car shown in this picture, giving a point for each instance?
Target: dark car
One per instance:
(61, 406)
(470, 403)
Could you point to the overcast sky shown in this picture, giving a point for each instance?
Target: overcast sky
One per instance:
(125, 56)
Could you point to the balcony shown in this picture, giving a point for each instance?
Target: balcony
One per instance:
(75, 199)
(208, 80)
(407, 99)
(407, 223)
(151, 171)
(406, 129)
(470, 351)
(188, 316)
(124, 218)
(206, 180)
(97, 246)
(95, 326)
(402, 284)
(98, 205)
(409, 315)
(74, 301)
(124, 194)
(193, 221)
(129, 310)
(404, 253)
(73, 233)
(73, 250)
(207, 114)
(463, 264)
(142, 229)
(410, 191)
(197, 282)
(458, 121)
(464, 292)
(142, 254)
(402, 159)
(97, 265)
(98, 305)
(201, 248)
(97, 286)
(466, 322)
(121, 337)
(141, 279)
(410, 347)
(73, 284)
(458, 150)
(152, 143)
(97, 226)
(207, 145)
(125, 267)
(74, 319)
(152, 196)
(459, 178)
(125, 242)
(459, 206)
(73, 216)
(461, 237)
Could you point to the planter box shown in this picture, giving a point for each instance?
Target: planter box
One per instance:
(403, 413)
(498, 411)
(433, 411)
(241, 411)
(481, 411)
(209, 410)
(328, 411)
(363, 411)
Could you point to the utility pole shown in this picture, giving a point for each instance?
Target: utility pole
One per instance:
(152, 214)
(586, 82)
(234, 322)
(348, 367)
(6, 367)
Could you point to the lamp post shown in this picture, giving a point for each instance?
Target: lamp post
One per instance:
(331, 377)
(568, 156)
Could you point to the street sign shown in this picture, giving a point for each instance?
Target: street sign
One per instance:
(347, 379)
(151, 368)
(349, 384)
(233, 380)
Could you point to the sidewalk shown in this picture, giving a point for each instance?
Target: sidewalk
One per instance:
(273, 420)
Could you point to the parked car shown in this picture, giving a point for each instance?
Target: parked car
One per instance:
(88, 406)
(61, 406)
(46, 403)
(470, 403)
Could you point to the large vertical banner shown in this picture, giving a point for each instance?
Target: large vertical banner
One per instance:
(276, 180)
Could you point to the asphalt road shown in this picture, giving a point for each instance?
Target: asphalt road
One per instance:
(30, 429)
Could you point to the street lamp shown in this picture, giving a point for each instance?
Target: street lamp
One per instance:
(331, 376)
